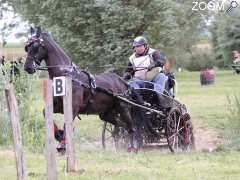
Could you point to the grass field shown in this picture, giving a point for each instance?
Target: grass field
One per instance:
(208, 106)
(12, 51)
(104, 165)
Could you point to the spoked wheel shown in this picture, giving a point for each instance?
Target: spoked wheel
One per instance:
(114, 138)
(179, 132)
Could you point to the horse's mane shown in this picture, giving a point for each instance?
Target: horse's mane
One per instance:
(53, 47)
(62, 57)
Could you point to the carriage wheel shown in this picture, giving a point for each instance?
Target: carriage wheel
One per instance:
(179, 132)
(113, 138)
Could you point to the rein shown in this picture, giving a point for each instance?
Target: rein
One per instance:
(72, 68)
(45, 68)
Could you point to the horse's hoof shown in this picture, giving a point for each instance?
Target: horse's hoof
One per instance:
(135, 150)
(61, 148)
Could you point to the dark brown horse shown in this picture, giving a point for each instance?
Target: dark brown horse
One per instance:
(91, 94)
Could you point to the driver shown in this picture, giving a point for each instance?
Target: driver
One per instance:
(236, 56)
(145, 64)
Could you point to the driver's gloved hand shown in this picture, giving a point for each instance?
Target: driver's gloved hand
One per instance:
(127, 76)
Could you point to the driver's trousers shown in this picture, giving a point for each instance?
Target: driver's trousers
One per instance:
(159, 82)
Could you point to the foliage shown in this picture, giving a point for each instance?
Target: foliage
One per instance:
(200, 61)
(99, 32)
(178, 31)
(5, 134)
(31, 118)
(9, 23)
(32, 126)
(226, 36)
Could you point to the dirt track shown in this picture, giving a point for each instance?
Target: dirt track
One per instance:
(207, 138)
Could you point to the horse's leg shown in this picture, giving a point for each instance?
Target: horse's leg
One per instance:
(58, 134)
(139, 117)
(62, 143)
(109, 116)
(77, 101)
(126, 117)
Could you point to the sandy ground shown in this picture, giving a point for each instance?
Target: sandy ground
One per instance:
(207, 138)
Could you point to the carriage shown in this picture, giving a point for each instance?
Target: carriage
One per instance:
(168, 123)
(163, 118)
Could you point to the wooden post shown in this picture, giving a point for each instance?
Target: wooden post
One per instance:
(17, 137)
(45, 90)
(50, 145)
(68, 116)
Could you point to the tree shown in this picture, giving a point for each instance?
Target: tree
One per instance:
(99, 32)
(9, 22)
(177, 31)
(226, 36)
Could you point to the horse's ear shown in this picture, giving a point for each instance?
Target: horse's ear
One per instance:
(38, 32)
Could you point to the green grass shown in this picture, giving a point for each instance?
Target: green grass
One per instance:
(12, 51)
(14, 46)
(208, 106)
(105, 165)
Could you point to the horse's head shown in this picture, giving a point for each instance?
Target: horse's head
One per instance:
(36, 52)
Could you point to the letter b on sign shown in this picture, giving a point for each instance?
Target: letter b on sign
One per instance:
(59, 86)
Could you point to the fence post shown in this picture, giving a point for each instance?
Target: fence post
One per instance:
(50, 145)
(68, 116)
(45, 90)
(16, 129)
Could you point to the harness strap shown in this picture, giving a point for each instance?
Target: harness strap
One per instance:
(92, 81)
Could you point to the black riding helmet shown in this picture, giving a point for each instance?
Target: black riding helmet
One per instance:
(140, 40)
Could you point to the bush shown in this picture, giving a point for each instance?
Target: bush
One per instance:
(200, 61)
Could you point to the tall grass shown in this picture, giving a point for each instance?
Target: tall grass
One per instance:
(32, 127)
(232, 128)
(5, 134)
